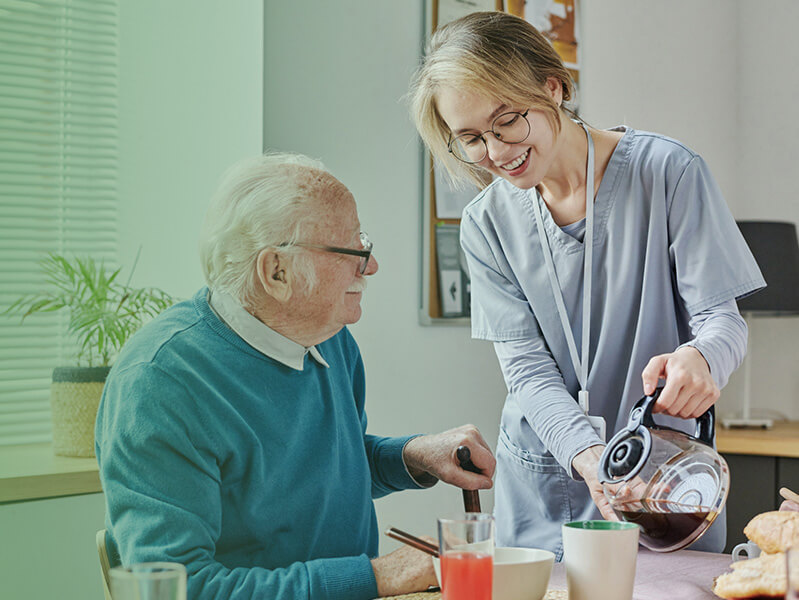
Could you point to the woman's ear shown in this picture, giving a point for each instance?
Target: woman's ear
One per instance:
(554, 86)
(273, 274)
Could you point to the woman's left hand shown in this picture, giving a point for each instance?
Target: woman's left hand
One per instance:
(689, 390)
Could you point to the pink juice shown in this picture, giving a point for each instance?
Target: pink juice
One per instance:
(466, 575)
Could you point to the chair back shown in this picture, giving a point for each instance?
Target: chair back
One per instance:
(105, 564)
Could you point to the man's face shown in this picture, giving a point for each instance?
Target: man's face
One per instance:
(335, 301)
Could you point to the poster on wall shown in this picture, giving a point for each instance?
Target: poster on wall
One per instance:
(449, 10)
(559, 21)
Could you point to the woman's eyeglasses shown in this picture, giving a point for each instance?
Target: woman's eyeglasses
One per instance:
(509, 127)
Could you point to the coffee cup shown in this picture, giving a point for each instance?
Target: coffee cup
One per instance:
(745, 550)
(600, 559)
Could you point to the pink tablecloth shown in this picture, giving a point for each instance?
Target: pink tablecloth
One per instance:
(687, 575)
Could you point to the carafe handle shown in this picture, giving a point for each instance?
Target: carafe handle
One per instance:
(642, 415)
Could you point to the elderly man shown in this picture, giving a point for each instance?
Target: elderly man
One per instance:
(232, 431)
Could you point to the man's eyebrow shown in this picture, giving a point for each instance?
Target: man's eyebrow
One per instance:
(497, 111)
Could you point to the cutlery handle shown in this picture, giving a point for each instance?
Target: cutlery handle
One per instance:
(789, 495)
(471, 498)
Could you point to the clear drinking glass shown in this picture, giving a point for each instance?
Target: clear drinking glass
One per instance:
(149, 581)
(466, 548)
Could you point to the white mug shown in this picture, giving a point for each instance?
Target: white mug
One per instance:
(600, 559)
(745, 550)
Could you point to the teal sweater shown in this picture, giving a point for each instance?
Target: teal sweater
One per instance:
(257, 477)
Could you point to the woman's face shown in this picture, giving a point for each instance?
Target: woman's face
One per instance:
(524, 164)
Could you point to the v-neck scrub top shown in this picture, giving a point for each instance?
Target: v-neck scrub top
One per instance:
(665, 249)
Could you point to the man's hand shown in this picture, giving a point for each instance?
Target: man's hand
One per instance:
(434, 455)
(689, 391)
(586, 463)
(404, 571)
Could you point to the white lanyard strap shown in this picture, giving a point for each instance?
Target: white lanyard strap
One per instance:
(580, 363)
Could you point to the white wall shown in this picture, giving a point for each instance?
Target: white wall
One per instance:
(768, 147)
(335, 74)
(190, 105)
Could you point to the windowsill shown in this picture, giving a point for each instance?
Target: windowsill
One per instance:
(33, 472)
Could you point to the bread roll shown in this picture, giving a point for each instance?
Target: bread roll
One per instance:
(761, 577)
(774, 531)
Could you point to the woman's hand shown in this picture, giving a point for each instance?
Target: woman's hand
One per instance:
(586, 463)
(434, 455)
(689, 391)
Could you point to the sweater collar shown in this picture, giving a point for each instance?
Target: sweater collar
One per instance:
(260, 336)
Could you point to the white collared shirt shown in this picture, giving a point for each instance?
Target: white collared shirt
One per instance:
(260, 336)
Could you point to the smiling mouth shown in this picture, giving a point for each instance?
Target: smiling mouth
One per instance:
(515, 164)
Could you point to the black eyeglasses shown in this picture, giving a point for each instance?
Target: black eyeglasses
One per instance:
(509, 127)
(365, 254)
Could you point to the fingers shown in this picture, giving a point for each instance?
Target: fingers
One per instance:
(655, 369)
(690, 389)
(436, 454)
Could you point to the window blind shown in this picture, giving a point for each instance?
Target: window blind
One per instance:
(58, 180)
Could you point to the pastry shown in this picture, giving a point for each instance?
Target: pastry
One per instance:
(774, 531)
(761, 577)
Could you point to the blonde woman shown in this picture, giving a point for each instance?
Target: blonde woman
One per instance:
(602, 262)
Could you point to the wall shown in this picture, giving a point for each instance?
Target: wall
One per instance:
(335, 73)
(768, 144)
(190, 105)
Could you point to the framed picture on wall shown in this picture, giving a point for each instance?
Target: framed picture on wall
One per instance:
(558, 20)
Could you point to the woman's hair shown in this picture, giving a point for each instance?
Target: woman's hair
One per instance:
(492, 54)
(261, 202)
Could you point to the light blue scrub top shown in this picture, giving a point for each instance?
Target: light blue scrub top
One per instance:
(665, 248)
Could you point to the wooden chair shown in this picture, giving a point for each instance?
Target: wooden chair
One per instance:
(105, 565)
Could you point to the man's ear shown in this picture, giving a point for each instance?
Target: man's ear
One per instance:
(273, 274)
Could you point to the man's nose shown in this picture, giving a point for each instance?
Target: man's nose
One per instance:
(371, 266)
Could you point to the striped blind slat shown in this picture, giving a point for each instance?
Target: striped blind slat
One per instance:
(58, 180)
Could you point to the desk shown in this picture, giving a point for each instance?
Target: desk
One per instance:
(761, 461)
(32, 471)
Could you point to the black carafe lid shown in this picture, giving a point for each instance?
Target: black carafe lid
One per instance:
(630, 448)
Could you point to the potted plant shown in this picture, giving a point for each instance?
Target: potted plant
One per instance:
(103, 314)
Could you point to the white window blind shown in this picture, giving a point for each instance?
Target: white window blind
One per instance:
(58, 180)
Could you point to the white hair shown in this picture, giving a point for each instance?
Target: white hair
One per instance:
(260, 203)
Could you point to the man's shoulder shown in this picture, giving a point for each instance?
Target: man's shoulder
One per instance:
(174, 331)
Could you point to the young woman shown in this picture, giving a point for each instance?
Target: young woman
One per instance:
(601, 263)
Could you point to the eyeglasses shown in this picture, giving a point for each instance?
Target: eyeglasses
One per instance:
(365, 254)
(509, 127)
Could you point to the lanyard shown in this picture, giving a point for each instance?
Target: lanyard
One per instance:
(580, 363)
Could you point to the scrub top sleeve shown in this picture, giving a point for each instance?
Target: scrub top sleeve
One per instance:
(720, 334)
(500, 310)
(535, 382)
(710, 258)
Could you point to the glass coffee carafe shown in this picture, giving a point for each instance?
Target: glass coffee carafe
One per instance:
(673, 485)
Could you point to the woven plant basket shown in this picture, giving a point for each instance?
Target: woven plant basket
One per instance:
(74, 398)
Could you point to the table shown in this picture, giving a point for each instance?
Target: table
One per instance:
(687, 575)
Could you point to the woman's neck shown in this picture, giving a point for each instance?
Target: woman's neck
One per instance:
(563, 187)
